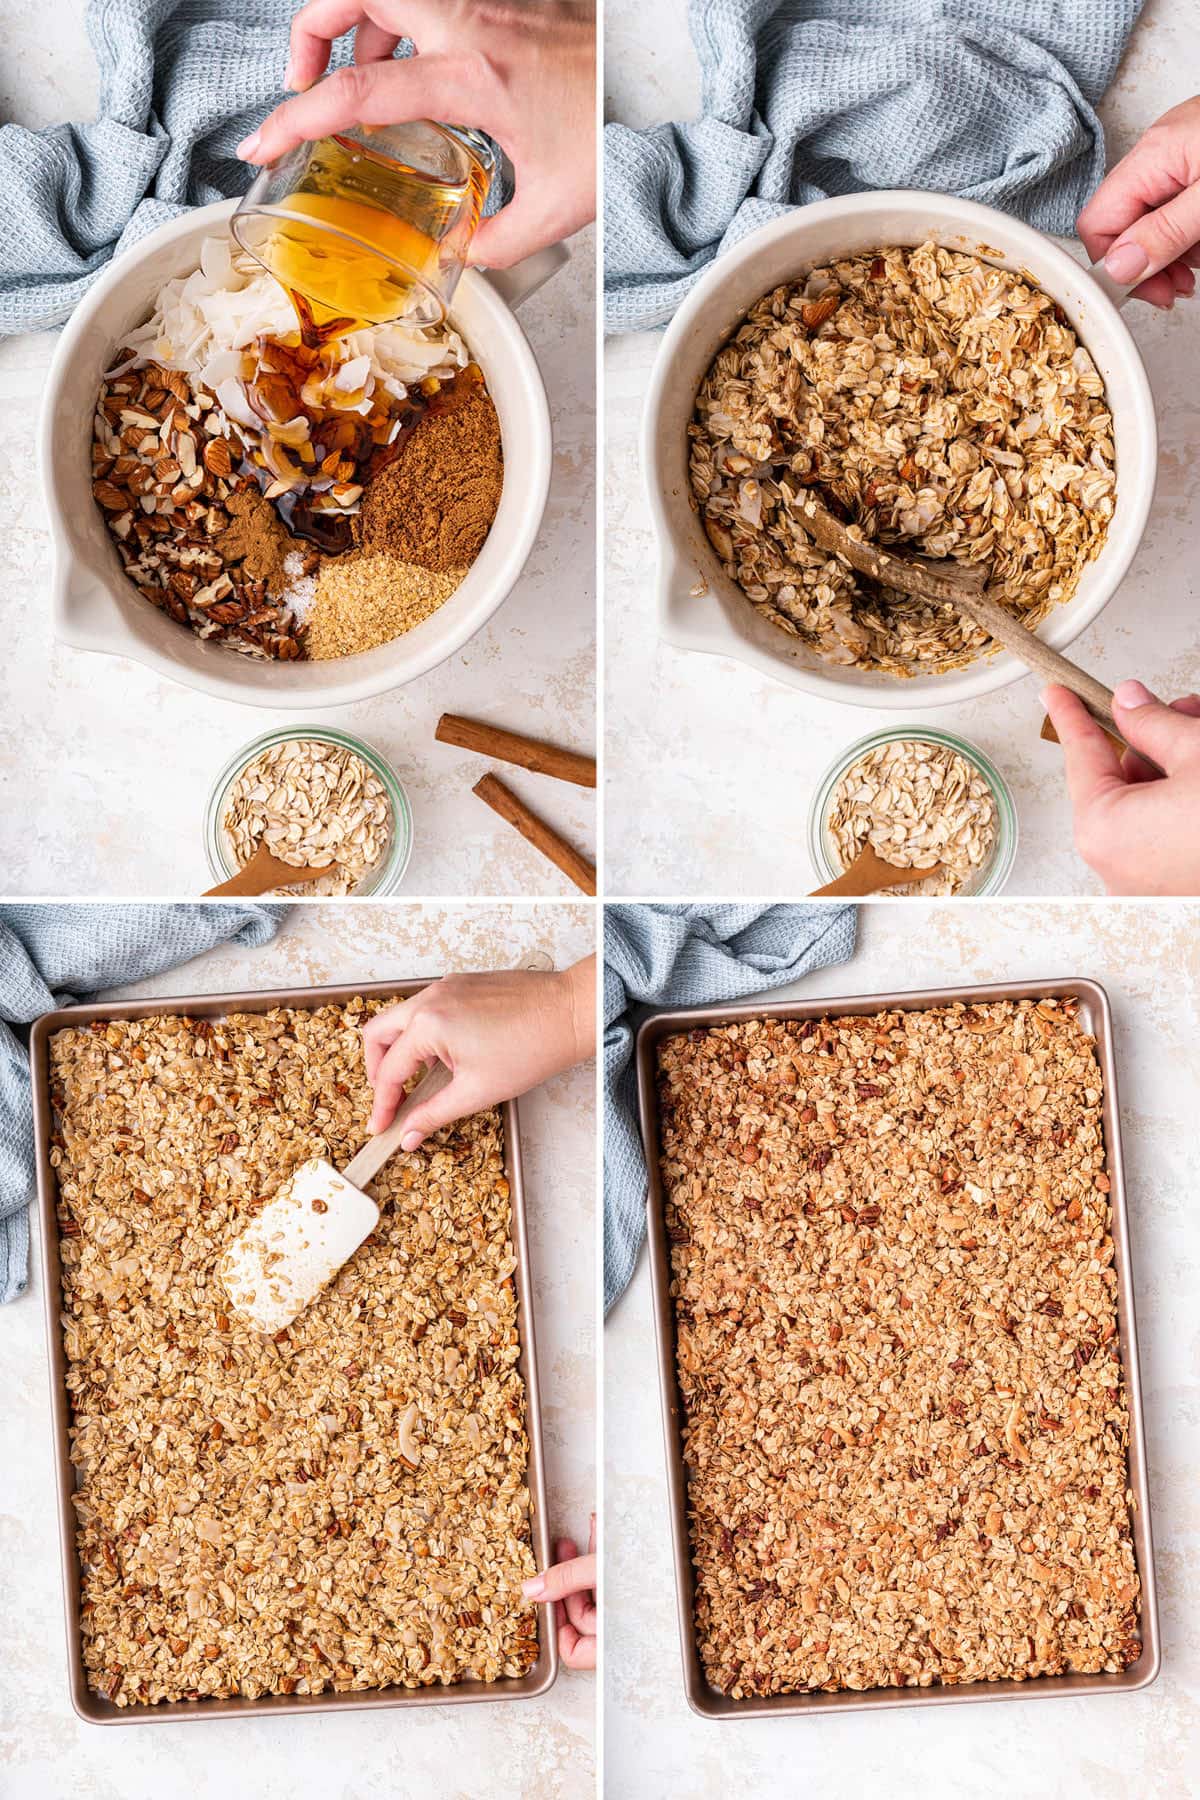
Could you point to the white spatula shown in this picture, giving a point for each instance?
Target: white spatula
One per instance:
(318, 1219)
(313, 1226)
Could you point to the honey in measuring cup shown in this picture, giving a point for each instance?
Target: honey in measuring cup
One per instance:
(369, 226)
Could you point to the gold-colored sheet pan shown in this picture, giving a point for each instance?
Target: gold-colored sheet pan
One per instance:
(94, 1707)
(1095, 1016)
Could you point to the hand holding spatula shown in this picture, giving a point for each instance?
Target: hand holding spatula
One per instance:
(314, 1225)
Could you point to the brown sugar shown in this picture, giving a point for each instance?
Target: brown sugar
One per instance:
(435, 504)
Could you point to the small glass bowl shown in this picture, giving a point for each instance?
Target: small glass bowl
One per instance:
(385, 877)
(995, 872)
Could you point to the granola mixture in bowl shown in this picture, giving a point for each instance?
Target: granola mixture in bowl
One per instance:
(919, 796)
(267, 1516)
(945, 405)
(285, 497)
(316, 796)
(897, 1347)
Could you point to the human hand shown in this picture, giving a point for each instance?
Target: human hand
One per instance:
(1135, 827)
(1144, 218)
(525, 73)
(571, 1584)
(499, 1035)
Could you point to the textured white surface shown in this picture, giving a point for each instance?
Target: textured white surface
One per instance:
(711, 767)
(121, 762)
(1108, 1748)
(540, 1749)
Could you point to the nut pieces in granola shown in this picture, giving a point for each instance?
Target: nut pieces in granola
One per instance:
(312, 803)
(938, 402)
(265, 1515)
(917, 803)
(897, 1350)
(163, 473)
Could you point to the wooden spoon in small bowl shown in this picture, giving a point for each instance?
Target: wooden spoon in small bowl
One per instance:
(868, 873)
(262, 873)
(956, 584)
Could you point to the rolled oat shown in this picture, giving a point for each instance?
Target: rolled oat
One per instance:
(917, 803)
(313, 804)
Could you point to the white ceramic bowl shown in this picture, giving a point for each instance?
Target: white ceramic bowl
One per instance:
(96, 607)
(699, 608)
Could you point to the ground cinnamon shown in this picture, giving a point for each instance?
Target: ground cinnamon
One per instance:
(257, 538)
(435, 504)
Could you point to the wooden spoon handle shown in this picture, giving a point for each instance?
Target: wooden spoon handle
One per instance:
(248, 880)
(853, 885)
(868, 873)
(1000, 624)
(263, 872)
(960, 587)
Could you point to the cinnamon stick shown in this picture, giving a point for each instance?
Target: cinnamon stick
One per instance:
(535, 831)
(512, 747)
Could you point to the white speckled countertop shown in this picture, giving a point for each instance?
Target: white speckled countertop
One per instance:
(540, 1749)
(121, 761)
(1117, 1748)
(710, 766)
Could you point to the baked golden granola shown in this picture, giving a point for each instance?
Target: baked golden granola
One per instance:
(945, 406)
(906, 1424)
(248, 1519)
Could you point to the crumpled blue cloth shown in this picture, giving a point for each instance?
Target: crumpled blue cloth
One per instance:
(990, 100)
(182, 82)
(696, 955)
(52, 956)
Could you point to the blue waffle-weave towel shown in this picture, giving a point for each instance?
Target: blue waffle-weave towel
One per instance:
(990, 100)
(52, 956)
(686, 956)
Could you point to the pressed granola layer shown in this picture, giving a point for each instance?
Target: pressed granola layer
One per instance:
(343, 1506)
(906, 1424)
(943, 405)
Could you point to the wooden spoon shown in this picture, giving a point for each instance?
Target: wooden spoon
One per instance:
(959, 585)
(868, 873)
(262, 873)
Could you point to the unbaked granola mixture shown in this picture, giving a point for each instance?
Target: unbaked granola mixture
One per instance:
(917, 803)
(234, 461)
(897, 1349)
(943, 405)
(247, 1520)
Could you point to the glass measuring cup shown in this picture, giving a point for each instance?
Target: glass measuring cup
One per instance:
(371, 225)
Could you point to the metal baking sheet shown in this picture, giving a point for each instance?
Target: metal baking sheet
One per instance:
(94, 1707)
(1096, 1018)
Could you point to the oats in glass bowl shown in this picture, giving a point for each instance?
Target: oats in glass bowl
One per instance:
(314, 804)
(917, 803)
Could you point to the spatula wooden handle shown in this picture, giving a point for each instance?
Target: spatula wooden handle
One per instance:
(375, 1152)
